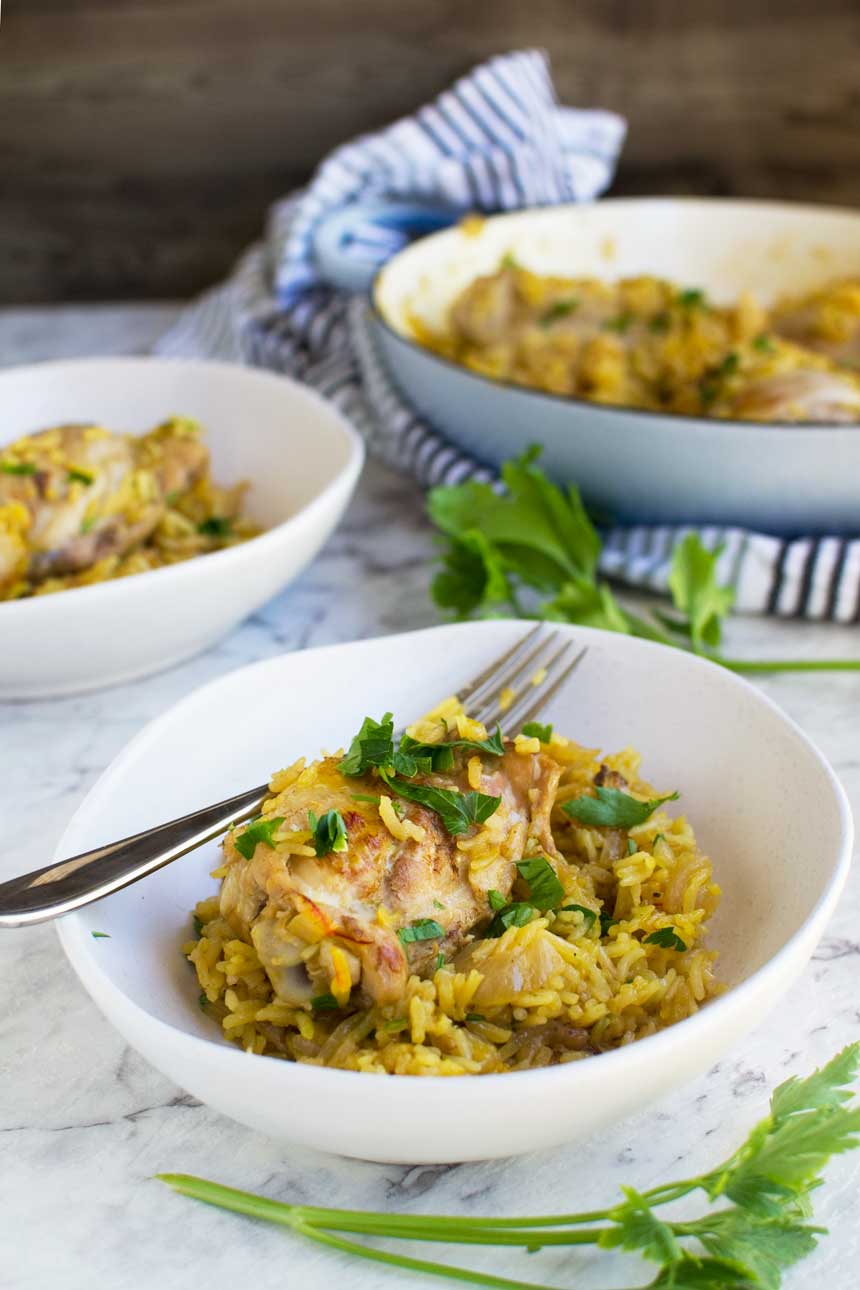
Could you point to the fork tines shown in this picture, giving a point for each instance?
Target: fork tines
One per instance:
(534, 668)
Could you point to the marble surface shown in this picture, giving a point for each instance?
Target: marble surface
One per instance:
(85, 1122)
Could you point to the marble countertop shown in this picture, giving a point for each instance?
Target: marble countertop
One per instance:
(85, 1122)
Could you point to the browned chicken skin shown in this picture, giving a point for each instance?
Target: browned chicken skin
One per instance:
(311, 917)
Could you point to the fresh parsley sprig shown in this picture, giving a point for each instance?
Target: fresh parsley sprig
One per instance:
(532, 551)
(745, 1245)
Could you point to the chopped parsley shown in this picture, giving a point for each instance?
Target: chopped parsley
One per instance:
(588, 914)
(517, 914)
(425, 929)
(202, 999)
(217, 526)
(329, 832)
(493, 746)
(660, 323)
(88, 523)
(496, 899)
(763, 343)
(198, 927)
(440, 960)
(457, 811)
(534, 730)
(607, 921)
(325, 1003)
(372, 746)
(77, 476)
(17, 467)
(560, 309)
(613, 809)
(621, 324)
(365, 797)
(100, 936)
(692, 298)
(631, 847)
(507, 261)
(475, 1016)
(667, 938)
(545, 890)
(437, 904)
(259, 830)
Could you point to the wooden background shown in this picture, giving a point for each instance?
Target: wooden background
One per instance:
(141, 140)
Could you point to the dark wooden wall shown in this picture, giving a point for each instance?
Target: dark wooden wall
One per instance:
(141, 140)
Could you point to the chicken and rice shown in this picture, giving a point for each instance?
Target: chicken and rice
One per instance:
(455, 903)
(644, 343)
(80, 504)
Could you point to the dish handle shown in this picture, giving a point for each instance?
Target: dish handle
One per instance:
(351, 244)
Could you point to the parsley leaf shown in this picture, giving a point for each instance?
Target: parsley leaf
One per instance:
(259, 830)
(100, 936)
(329, 832)
(588, 914)
(218, 526)
(639, 1228)
(621, 324)
(458, 811)
(534, 531)
(763, 343)
(667, 938)
(324, 1003)
(613, 809)
(425, 929)
(439, 755)
(495, 899)
(697, 593)
(607, 921)
(692, 298)
(559, 309)
(545, 890)
(517, 914)
(762, 1248)
(17, 467)
(372, 746)
(80, 476)
(534, 730)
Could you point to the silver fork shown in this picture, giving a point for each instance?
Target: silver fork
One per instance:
(534, 668)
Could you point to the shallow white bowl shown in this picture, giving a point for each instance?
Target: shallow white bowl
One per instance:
(630, 464)
(302, 460)
(765, 804)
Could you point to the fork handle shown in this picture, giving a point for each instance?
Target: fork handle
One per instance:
(68, 884)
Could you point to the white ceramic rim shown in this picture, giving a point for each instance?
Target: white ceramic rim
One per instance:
(78, 950)
(269, 539)
(568, 400)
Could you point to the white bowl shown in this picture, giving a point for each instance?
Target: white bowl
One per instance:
(302, 460)
(630, 464)
(765, 804)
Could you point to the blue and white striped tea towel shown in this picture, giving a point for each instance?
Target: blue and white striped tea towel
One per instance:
(497, 140)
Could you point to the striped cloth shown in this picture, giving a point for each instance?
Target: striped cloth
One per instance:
(497, 140)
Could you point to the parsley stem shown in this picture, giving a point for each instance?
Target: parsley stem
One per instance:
(300, 1219)
(789, 664)
(450, 1271)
